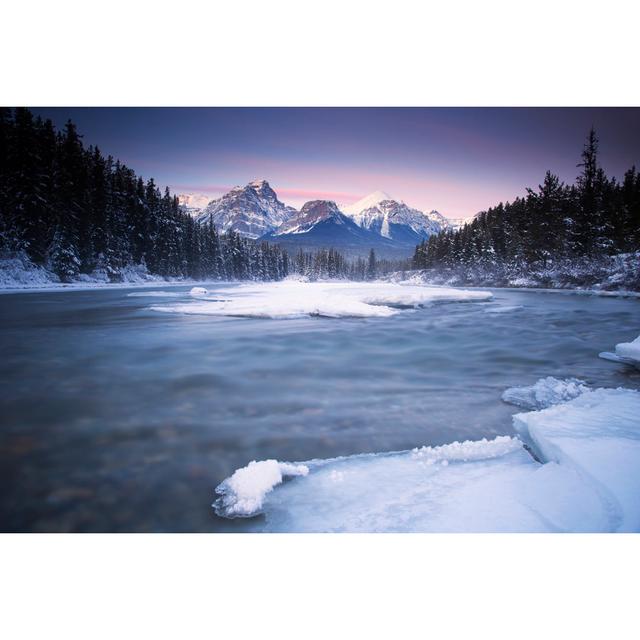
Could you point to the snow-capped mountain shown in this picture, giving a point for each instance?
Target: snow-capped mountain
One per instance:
(378, 221)
(252, 211)
(194, 201)
(380, 213)
(321, 224)
(312, 214)
(458, 223)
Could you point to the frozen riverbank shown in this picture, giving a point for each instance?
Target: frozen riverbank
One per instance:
(616, 273)
(583, 476)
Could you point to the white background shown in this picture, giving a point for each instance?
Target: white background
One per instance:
(323, 53)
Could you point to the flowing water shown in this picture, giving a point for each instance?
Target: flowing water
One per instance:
(115, 417)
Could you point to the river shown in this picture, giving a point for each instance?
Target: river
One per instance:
(118, 417)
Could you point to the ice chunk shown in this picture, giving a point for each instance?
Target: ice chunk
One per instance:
(294, 299)
(198, 291)
(430, 489)
(629, 351)
(626, 353)
(488, 485)
(243, 493)
(612, 357)
(545, 393)
(598, 435)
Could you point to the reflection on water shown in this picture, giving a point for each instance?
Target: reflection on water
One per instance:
(116, 418)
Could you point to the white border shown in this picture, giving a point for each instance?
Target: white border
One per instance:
(335, 52)
(338, 52)
(325, 587)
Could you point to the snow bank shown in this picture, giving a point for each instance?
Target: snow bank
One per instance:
(18, 272)
(545, 393)
(294, 299)
(243, 493)
(598, 435)
(587, 480)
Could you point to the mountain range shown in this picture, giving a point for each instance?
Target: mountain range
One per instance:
(377, 221)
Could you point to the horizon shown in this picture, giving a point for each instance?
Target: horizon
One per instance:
(457, 161)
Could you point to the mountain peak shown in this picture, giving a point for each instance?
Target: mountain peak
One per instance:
(367, 202)
(251, 211)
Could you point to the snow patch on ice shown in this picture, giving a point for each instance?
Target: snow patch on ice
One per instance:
(295, 299)
(545, 393)
(468, 450)
(242, 494)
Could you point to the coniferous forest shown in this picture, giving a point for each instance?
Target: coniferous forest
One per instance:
(558, 235)
(74, 211)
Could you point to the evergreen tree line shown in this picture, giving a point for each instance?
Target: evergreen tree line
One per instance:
(329, 263)
(595, 218)
(74, 211)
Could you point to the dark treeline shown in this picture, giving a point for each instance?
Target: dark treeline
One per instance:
(329, 263)
(73, 211)
(596, 218)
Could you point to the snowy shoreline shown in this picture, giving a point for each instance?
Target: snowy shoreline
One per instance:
(570, 467)
(56, 287)
(91, 286)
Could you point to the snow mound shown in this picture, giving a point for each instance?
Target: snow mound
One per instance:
(468, 450)
(198, 291)
(243, 493)
(294, 299)
(545, 393)
(17, 271)
(598, 435)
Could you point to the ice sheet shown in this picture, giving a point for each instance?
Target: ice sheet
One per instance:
(598, 435)
(586, 478)
(294, 299)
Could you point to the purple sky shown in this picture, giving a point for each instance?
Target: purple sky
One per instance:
(456, 160)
